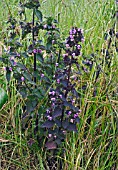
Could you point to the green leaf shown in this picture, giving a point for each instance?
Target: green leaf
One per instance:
(39, 15)
(3, 97)
(40, 57)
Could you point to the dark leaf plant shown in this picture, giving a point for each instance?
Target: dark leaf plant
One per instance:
(46, 79)
(62, 116)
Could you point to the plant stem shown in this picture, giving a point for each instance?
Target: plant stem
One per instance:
(66, 93)
(33, 43)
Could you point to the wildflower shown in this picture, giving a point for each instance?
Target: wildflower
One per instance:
(4, 68)
(73, 54)
(53, 41)
(71, 120)
(49, 117)
(73, 101)
(18, 54)
(42, 75)
(53, 26)
(10, 68)
(53, 104)
(39, 51)
(53, 99)
(50, 135)
(48, 111)
(71, 32)
(78, 47)
(45, 26)
(65, 55)
(57, 64)
(53, 93)
(60, 96)
(67, 46)
(58, 81)
(15, 63)
(82, 40)
(22, 78)
(76, 115)
(35, 51)
(74, 31)
(12, 58)
(71, 36)
(69, 113)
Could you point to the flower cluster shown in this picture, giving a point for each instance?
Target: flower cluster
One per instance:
(72, 42)
(35, 51)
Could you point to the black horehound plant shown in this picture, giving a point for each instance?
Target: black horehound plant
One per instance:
(46, 76)
(63, 112)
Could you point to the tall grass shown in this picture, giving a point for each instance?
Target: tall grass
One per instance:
(95, 146)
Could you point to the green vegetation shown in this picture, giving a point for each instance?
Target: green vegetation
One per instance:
(95, 146)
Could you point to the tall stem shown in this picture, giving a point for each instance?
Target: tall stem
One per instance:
(66, 93)
(33, 43)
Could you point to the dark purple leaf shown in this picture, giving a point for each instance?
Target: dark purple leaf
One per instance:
(58, 123)
(77, 120)
(64, 82)
(48, 124)
(58, 141)
(57, 112)
(72, 127)
(51, 145)
(65, 124)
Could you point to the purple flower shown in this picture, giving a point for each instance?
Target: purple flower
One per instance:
(4, 68)
(73, 54)
(12, 58)
(69, 113)
(15, 63)
(45, 26)
(71, 36)
(48, 111)
(78, 47)
(22, 78)
(53, 104)
(18, 54)
(53, 99)
(42, 75)
(67, 46)
(58, 81)
(53, 41)
(76, 115)
(71, 32)
(71, 120)
(50, 135)
(49, 117)
(55, 136)
(65, 55)
(35, 51)
(53, 26)
(57, 64)
(72, 39)
(10, 68)
(39, 51)
(53, 93)
(74, 31)
(82, 40)
(73, 101)
(60, 96)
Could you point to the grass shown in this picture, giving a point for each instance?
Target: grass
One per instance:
(95, 146)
